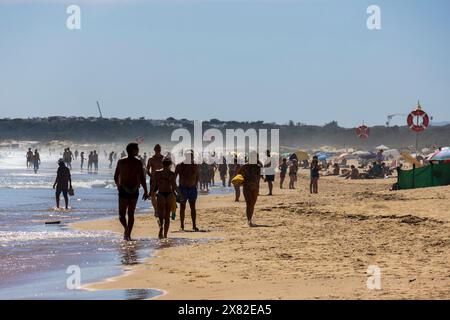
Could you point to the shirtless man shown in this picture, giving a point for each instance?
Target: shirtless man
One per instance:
(29, 158)
(223, 171)
(189, 176)
(36, 161)
(164, 188)
(251, 171)
(129, 176)
(269, 172)
(155, 163)
(62, 183)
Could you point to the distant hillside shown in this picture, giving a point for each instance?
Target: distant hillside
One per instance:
(102, 130)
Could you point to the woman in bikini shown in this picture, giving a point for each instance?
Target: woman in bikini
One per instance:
(164, 189)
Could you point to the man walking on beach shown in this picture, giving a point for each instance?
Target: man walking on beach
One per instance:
(62, 183)
(95, 160)
(129, 176)
(36, 160)
(29, 158)
(189, 176)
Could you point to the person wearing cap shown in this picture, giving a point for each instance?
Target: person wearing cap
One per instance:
(62, 183)
(163, 189)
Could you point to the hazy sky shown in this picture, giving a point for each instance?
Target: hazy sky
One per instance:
(311, 61)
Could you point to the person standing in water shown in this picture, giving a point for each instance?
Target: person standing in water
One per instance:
(95, 161)
(76, 154)
(82, 158)
(251, 171)
(164, 189)
(90, 160)
(111, 159)
(29, 158)
(223, 171)
(129, 176)
(315, 169)
(188, 173)
(62, 183)
(36, 160)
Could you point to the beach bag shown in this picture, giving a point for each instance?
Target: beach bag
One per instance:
(71, 192)
(173, 203)
(238, 180)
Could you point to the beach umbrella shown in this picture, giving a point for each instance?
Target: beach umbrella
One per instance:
(346, 156)
(302, 155)
(382, 147)
(441, 156)
(429, 156)
(361, 153)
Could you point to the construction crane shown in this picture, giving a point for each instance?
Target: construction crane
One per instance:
(99, 110)
(391, 116)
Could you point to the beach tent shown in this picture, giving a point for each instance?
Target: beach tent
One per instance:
(433, 175)
(382, 147)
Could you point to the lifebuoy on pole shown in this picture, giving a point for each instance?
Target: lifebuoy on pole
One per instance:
(418, 120)
(363, 132)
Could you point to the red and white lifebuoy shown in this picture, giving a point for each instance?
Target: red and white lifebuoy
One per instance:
(363, 132)
(418, 120)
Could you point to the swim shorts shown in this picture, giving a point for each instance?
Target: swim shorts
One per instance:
(188, 194)
(270, 178)
(128, 194)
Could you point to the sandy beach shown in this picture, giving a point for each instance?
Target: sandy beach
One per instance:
(305, 246)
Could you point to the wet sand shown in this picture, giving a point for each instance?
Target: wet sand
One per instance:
(306, 246)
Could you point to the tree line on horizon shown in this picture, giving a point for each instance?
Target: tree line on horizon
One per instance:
(292, 135)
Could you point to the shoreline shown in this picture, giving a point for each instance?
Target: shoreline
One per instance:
(306, 247)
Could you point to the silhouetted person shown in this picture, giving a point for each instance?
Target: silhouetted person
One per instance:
(129, 176)
(164, 188)
(154, 163)
(188, 180)
(251, 171)
(36, 161)
(62, 183)
(29, 158)
(82, 158)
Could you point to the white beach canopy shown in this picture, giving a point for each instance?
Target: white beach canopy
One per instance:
(382, 147)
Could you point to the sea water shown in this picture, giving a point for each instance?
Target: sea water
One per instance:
(35, 257)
